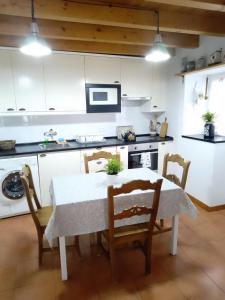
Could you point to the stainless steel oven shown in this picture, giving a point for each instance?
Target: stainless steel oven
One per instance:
(143, 156)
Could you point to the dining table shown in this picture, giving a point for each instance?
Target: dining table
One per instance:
(80, 205)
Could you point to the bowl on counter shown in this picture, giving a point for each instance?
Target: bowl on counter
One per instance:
(7, 145)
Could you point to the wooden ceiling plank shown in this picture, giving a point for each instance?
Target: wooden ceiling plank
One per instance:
(84, 46)
(217, 7)
(170, 21)
(19, 26)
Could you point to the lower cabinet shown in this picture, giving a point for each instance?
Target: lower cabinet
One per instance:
(164, 147)
(56, 164)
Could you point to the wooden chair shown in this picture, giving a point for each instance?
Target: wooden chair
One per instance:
(143, 232)
(97, 156)
(39, 214)
(181, 182)
(176, 158)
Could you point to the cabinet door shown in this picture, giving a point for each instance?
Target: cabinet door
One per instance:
(8, 102)
(158, 91)
(64, 83)
(164, 147)
(136, 78)
(95, 165)
(56, 164)
(29, 83)
(102, 69)
(123, 151)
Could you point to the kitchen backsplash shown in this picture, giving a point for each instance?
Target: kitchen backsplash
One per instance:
(31, 128)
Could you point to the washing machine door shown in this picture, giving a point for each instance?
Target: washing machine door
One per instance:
(12, 187)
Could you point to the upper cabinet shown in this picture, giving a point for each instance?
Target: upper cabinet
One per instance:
(136, 78)
(28, 83)
(64, 83)
(100, 69)
(7, 102)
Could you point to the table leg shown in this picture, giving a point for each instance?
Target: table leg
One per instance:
(174, 235)
(62, 251)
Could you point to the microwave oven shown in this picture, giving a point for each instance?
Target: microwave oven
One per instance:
(102, 98)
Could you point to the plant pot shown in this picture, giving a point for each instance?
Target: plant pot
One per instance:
(112, 178)
(209, 130)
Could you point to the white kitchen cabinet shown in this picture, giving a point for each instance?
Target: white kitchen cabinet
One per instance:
(95, 165)
(158, 92)
(100, 69)
(123, 151)
(136, 78)
(56, 164)
(164, 147)
(64, 83)
(7, 102)
(28, 83)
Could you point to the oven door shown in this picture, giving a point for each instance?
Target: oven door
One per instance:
(143, 159)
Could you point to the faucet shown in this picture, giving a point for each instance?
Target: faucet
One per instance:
(50, 134)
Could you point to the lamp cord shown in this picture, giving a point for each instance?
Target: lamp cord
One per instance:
(32, 11)
(157, 15)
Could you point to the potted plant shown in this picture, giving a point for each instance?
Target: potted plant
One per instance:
(209, 128)
(112, 168)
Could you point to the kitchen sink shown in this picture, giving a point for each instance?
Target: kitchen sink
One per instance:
(53, 145)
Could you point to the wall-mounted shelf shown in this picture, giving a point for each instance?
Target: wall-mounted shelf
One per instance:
(207, 70)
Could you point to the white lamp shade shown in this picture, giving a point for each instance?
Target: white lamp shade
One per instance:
(35, 46)
(158, 52)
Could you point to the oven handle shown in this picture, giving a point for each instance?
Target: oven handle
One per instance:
(139, 153)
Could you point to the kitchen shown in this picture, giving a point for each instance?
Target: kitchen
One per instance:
(92, 95)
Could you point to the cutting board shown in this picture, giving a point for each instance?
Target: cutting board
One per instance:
(163, 129)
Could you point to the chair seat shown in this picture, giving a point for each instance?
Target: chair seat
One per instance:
(43, 215)
(128, 230)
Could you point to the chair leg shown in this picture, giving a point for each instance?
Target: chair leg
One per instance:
(161, 222)
(148, 252)
(99, 240)
(77, 244)
(40, 248)
(112, 259)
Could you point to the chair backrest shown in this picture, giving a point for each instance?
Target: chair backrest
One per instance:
(134, 210)
(97, 156)
(26, 171)
(29, 195)
(176, 158)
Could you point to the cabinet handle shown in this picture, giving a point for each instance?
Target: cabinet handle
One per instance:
(125, 95)
(42, 155)
(163, 143)
(2, 169)
(155, 106)
(122, 147)
(116, 81)
(10, 109)
(98, 148)
(22, 109)
(51, 108)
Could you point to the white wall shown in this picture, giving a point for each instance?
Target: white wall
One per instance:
(207, 162)
(31, 128)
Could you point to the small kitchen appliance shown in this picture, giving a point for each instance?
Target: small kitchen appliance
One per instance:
(102, 98)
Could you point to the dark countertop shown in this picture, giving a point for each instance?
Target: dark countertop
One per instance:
(200, 137)
(34, 148)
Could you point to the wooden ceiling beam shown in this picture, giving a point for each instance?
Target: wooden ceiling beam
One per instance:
(84, 46)
(203, 5)
(70, 11)
(20, 26)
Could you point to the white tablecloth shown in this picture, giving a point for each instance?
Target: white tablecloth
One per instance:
(80, 202)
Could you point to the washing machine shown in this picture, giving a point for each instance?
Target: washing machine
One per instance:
(12, 196)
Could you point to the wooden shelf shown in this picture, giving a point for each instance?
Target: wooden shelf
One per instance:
(209, 70)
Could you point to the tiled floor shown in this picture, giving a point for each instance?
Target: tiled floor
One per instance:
(197, 272)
